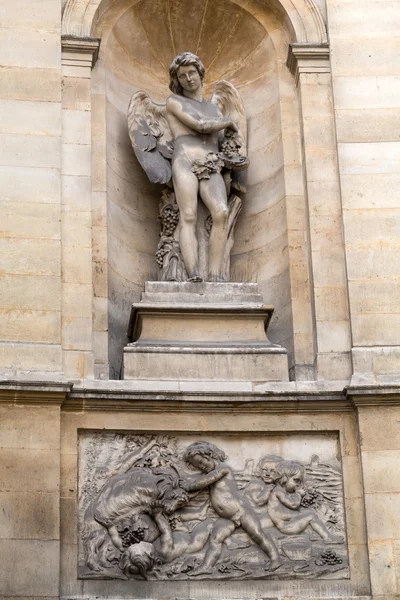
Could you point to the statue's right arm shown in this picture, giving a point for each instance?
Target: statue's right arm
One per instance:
(166, 539)
(199, 124)
(293, 501)
(206, 480)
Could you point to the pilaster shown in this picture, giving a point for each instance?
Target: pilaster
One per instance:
(378, 415)
(78, 57)
(310, 65)
(30, 488)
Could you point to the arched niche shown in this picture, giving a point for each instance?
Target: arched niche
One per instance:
(244, 42)
(302, 18)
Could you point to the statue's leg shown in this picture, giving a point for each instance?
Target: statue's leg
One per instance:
(213, 194)
(186, 188)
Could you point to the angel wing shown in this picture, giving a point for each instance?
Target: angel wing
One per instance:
(229, 102)
(151, 137)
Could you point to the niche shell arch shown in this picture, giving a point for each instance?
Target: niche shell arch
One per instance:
(303, 18)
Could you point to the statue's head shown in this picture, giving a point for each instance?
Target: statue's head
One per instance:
(268, 468)
(291, 475)
(186, 73)
(138, 559)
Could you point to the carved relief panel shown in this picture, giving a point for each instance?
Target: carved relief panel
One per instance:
(175, 507)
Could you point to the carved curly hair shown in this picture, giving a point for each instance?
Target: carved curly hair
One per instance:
(290, 468)
(204, 449)
(266, 461)
(183, 60)
(138, 559)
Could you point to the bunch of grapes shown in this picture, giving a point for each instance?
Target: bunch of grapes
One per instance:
(309, 498)
(169, 220)
(224, 569)
(132, 536)
(187, 568)
(174, 522)
(161, 252)
(328, 557)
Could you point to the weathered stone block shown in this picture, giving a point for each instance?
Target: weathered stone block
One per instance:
(30, 579)
(29, 515)
(32, 470)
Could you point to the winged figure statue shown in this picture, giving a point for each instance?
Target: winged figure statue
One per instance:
(196, 148)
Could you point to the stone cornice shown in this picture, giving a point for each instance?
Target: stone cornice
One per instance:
(136, 396)
(33, 392)
(308, 58)
(79, 52)
(202, 402)
(372, 395)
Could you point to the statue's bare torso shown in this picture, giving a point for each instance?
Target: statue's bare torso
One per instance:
(196, 126)
(189, 143)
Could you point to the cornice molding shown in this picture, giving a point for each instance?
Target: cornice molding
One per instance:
(33, 392)
(119, 397)
(371, 395)
(79, 51)
(206, 402)
(308, 58)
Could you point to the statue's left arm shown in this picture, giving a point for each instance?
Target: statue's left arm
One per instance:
(200, 124)
(204, 481)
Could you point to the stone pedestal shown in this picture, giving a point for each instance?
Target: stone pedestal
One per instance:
(202, 331)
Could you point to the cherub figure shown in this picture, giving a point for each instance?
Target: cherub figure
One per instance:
(258, 490)
(202, 138)
(140, 558)
(231, 506)
(284, 505)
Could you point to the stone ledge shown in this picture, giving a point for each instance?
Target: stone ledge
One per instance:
(374, 394)
(308, 58)
(218, 396)
(33, 392)
(79, 52)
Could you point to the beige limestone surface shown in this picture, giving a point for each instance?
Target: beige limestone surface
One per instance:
(319, 233)
(365, 81)
(293, 232)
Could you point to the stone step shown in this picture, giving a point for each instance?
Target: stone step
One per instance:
(204, 293)
(204, 287)
(170, 298)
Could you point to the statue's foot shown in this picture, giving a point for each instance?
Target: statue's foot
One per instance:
(216, 278)
(334, 538)
(195, 279)
(274, 565)
(201, 571)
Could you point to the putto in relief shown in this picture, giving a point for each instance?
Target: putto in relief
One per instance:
(197, 148)
(168, 507)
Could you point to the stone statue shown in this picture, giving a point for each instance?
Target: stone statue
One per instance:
(197, 148)
(154, 508)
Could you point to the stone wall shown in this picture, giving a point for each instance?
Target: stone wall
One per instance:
(365, 69)
(30, 166)
(320, 235)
